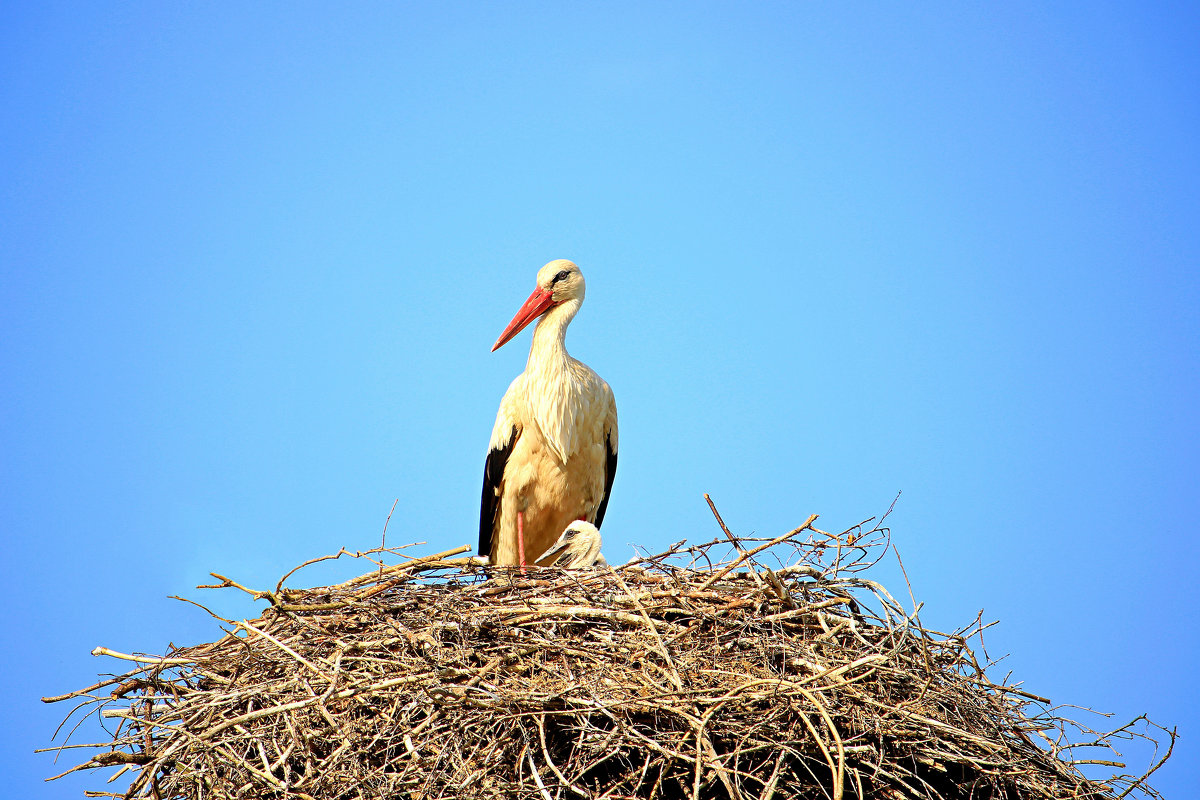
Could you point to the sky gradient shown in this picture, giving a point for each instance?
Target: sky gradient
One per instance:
(252, 260)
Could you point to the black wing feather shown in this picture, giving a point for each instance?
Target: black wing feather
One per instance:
(489, 506)
(610, 472)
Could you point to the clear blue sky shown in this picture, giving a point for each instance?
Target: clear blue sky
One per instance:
(252, 259)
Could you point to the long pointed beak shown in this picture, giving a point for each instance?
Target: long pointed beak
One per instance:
(555, 550)
(534, 307)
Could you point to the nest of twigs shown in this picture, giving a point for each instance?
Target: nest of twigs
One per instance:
(740, 668)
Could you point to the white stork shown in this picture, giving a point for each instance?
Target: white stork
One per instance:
(553, 451)
(577, 548)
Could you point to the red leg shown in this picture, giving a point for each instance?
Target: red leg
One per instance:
(521, 539)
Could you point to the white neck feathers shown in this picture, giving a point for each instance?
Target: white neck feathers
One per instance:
(553, 388)
(549, 348)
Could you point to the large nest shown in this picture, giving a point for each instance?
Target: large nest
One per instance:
(740, 668)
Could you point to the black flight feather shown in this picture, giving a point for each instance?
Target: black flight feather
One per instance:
(489, 506)
(610, 471)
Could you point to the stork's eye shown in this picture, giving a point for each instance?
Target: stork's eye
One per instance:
(561, 276)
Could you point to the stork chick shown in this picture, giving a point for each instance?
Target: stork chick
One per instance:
(553, 451)
(577, 548)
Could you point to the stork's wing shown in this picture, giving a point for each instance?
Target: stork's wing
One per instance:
(493, 476)
(610, 462)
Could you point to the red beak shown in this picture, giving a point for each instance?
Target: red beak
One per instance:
(534, 307)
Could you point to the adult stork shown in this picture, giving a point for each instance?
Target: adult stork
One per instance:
(577, 548)
(553, 451)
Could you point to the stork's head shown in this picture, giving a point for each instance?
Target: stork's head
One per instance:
(558, 282)
(578, 547)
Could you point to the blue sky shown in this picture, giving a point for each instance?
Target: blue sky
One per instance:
(253, 258)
